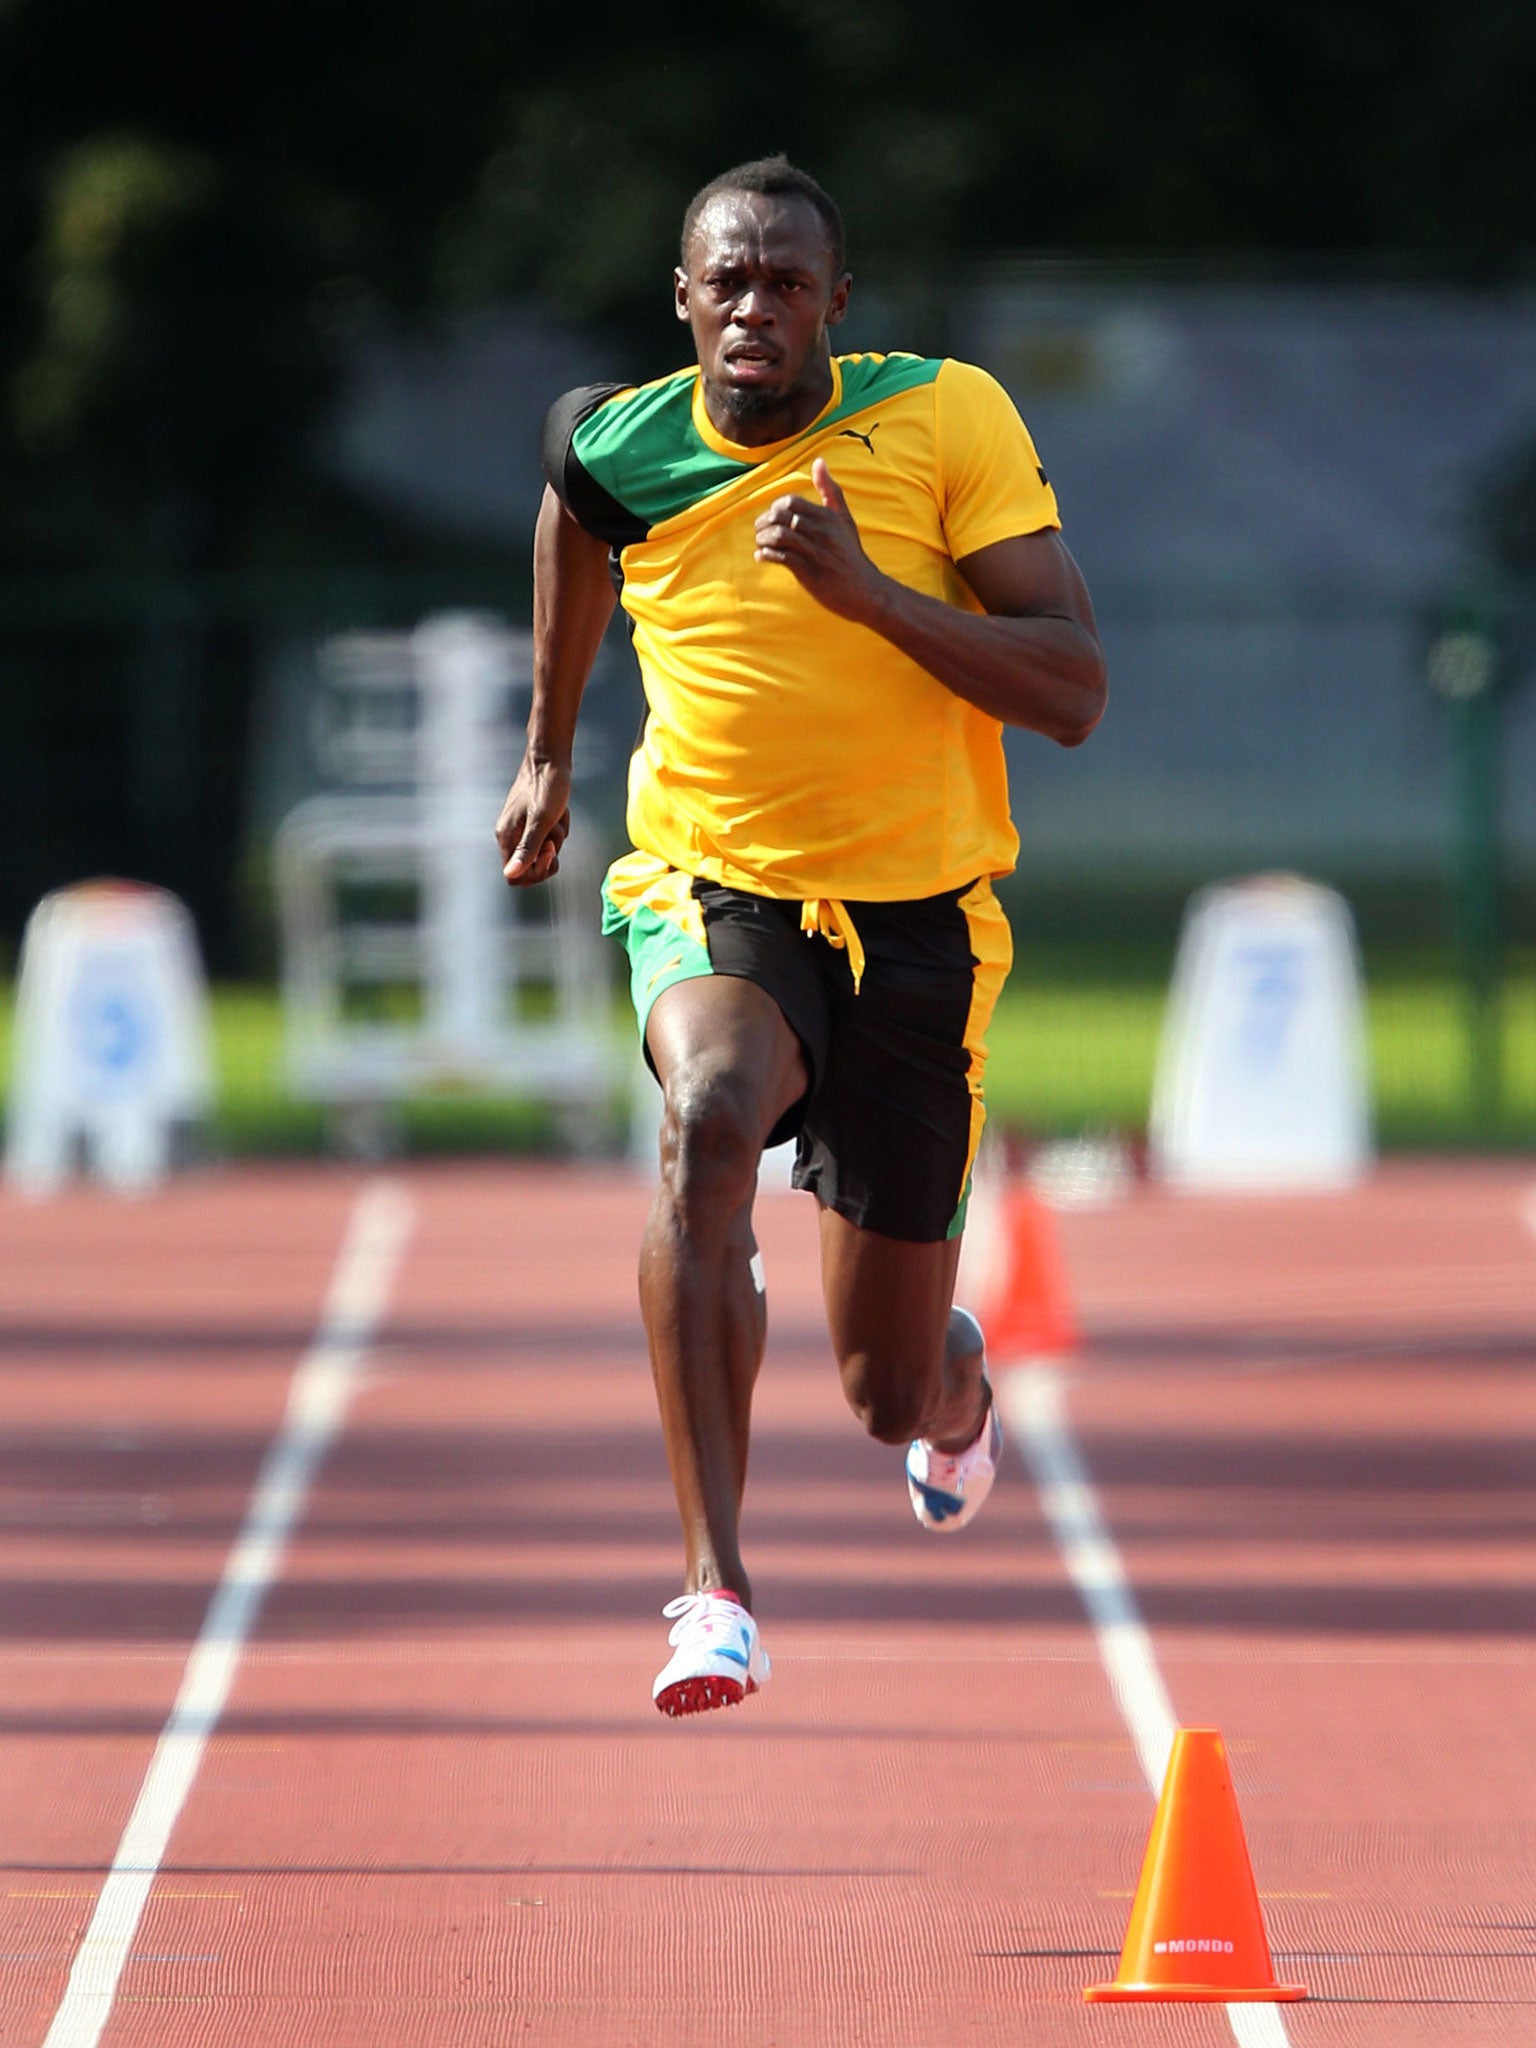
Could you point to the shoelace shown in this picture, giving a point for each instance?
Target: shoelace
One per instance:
(703, 1613)
(944, 1467)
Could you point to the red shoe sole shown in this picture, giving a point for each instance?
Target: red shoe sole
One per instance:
(698, 1695)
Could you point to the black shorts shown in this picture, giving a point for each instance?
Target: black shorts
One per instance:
(888, 1128)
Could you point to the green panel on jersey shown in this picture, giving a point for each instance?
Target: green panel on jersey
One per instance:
(644, 450)
(869, 380)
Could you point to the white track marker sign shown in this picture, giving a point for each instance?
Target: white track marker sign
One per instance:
(1262, 1078)
(1035, 1405)
(317, 1403)
(111, 1038)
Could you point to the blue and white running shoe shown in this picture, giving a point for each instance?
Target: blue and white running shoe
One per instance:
(717, 1658)
(948, 1487)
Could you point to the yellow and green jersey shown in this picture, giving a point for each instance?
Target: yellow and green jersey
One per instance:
(787, 751)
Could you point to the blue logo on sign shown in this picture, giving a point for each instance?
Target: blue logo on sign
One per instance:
(112, 1030)
(113, 1034)
(1276, 979)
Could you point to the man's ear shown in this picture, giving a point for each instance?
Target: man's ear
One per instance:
(680, 292)
(837, 305)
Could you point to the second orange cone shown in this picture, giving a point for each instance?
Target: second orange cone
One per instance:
(1196, 1930)
(1031, 1313)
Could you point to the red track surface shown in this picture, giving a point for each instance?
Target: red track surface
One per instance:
(440, 1808)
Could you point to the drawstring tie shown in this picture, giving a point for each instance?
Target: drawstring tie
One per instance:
(825, 915)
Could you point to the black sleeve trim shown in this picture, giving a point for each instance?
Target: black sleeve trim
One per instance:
(578, 491)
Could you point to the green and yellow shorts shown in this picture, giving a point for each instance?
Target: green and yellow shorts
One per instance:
(890, 1003)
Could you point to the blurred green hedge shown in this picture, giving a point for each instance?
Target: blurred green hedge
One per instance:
(1068, 1056)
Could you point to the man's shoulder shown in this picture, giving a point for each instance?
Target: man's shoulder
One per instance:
(867, 378)
(968, 383)
(602, 413)
(972, 409)
(962, 389)
(626, 456)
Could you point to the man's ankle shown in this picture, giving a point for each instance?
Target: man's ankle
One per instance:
(951, 1449)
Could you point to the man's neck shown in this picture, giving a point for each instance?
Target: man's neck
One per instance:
(735, 417)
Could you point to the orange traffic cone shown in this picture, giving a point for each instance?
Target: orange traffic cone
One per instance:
(1196, 1931)
(1029, 1309)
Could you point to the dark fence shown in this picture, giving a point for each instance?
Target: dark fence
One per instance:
(158, 729)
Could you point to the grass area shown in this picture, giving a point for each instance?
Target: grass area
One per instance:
(1073, 1057)
(256, 1113)
(1068, 1055)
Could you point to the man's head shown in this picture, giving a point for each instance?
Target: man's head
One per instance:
(761, 280)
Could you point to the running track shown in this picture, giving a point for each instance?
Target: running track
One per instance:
(437, 1806)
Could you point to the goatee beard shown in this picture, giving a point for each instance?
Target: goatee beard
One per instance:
(747, 402)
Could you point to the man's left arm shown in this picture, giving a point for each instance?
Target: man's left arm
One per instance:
(1033, 660)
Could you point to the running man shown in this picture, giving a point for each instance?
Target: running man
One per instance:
(844, 577)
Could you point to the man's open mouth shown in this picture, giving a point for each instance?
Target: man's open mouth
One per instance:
(747, 360)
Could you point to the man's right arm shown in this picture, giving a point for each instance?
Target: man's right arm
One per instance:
(573, 600)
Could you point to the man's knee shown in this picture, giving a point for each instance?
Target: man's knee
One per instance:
(890, 1396)
(711, 1134)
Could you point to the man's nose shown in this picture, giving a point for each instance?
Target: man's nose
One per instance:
(753, 308)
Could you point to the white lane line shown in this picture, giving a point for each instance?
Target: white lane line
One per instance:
(1258, 2026)
(1528, 1209)
(323, 1380)
(1034, 1403)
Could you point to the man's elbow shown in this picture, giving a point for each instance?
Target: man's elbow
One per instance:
(1074, 734)
(1085, 704)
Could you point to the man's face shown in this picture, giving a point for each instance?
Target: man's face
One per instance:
(759, 293)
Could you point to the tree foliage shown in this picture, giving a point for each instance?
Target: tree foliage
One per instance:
(202, 204)
(202, 207)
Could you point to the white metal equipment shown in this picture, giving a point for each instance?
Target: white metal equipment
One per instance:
(408, 963)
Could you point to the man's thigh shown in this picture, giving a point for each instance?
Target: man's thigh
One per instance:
(719, 1037)
(723, 983)
(890, 1133)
